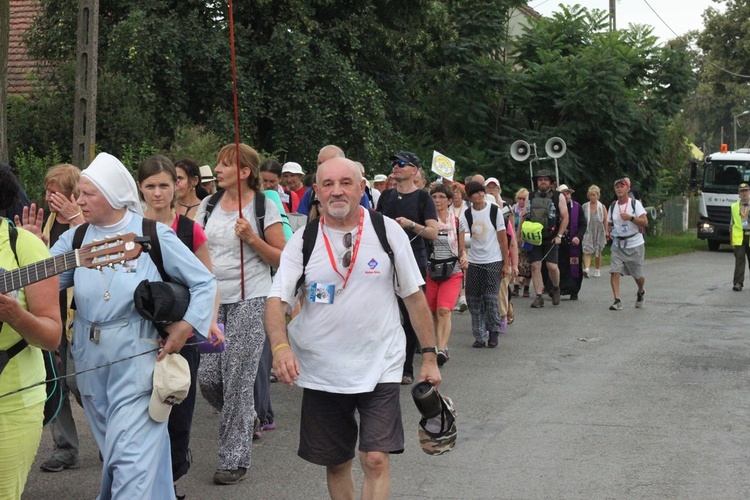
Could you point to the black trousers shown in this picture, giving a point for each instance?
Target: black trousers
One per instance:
(181, 417)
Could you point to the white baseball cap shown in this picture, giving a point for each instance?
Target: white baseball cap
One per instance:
(292, 168)
(171, 386)
(491, 180)
(380, 178)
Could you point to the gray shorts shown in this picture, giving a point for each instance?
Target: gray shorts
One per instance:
(628, 261)
(328, 428)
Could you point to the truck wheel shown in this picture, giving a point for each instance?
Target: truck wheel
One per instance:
(713, 245)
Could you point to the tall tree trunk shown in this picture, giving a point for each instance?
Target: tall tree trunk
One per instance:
(4, 41)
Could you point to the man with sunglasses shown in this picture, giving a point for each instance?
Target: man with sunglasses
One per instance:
(346, 347)
(415, 212)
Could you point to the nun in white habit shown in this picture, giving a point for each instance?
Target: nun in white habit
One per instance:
(134, 447)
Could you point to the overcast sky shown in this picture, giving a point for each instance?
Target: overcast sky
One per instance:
(681, 15)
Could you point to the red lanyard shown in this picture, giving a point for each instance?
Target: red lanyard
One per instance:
(355, 249)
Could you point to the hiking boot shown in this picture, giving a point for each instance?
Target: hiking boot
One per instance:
(555, 296)
(616, 306)
(57, 465)
(639, 299)
(538, 302)
(224, 476)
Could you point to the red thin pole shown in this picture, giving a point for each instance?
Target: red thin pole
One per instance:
(237, 139)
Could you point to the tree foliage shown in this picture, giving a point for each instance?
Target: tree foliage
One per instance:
(374, 77)
(723, 60)
(609, 94)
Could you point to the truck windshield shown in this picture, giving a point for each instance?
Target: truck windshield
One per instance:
(725, 176)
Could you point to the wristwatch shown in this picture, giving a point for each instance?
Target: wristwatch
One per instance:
(413, 225)
(429, 349)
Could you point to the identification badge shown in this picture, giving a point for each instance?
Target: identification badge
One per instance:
(322, 293)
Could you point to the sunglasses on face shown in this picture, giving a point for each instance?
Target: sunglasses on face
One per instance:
(400, 164)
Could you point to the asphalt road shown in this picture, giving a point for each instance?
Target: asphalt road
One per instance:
(576, 402)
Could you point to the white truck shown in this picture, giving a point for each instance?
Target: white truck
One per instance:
(722, 174)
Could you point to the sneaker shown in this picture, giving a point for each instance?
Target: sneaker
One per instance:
(478, 344)
(538, 302)
(573, 296)
(503, 325)
(57, 465)
(224, 476)
(462, 305)
(737, 287)
(442, 357)
(616, 306)
(525, 292)
(596, 274)
(639, 299)
(268, 426)
(586, 273)
(555, 296)
(492, 342)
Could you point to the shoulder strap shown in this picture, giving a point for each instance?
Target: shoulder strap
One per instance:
(469, 219)
(212, 201)
(185, 227)
(309, 235)
(13, 238)
(288, 193)
(149, 229)
(378, 223)
(493, 215)
(79, 234)
(260, 214)
(611, 208)
(423, 196)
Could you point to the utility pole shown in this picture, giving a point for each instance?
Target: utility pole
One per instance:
(4, 41)
(612, 16)
(84, 109)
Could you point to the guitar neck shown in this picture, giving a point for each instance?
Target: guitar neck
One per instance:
(27, 275)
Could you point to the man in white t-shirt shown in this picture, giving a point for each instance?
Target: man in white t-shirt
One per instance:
(625, 220)
(488, 255)
(346, 347)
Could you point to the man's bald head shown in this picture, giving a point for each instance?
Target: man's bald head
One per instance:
(328, 152)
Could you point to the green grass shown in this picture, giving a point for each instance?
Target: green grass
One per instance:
(667, 246)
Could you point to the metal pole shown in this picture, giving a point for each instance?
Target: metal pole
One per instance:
(612, 16)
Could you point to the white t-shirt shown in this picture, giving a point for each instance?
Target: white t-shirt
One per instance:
(484, 245)
(622, 228)
(357, 342)
(224, 247)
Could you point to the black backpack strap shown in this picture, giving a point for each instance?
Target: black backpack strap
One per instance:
(469, 218)
(378, 223)
(79, 234)
(13, 238)
(422, 199)
(309, 235)
(493, 215)
(260, 214)
(149, 229)
(212, 201)
(185, 228)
